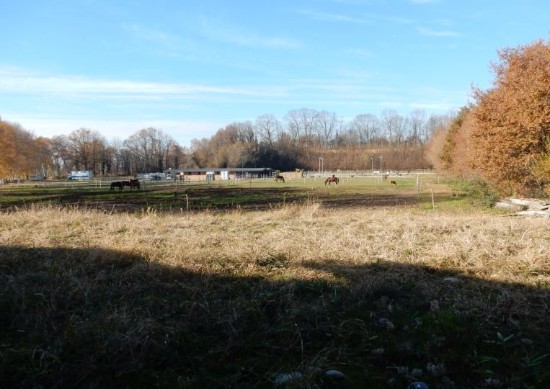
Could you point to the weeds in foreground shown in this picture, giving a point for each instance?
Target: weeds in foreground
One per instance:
(293, 296)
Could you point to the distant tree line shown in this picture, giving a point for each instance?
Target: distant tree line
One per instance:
(305, 139)
(312, 140)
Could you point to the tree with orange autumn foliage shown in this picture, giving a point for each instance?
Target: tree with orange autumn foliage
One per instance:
(511, 125)
(18, 152)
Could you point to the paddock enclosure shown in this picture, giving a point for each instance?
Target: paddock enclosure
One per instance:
(260, 193)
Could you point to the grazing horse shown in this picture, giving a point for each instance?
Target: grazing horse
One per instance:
(116, 184)
(394, 183)
(334, 179)
(134, 183)
(278, 177)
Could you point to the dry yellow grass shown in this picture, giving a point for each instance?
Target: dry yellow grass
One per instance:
(212, 299)
(485, 246)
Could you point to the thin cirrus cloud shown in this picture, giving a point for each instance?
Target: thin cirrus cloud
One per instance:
(330, 17)
(438, 33)
(213, 30)
(163, 43)
(151, 35)
(19, 81)
(233, 35)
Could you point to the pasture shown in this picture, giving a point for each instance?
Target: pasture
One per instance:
(270, 284)
(257, 194)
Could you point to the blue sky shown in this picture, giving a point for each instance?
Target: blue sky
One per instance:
(189, 68)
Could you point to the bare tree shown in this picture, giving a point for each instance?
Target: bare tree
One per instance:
(294, 127)
(200, 152)
(245, 131)
(301, 125)
(364, 127)
(326, 125)
(417, 123)
(59, 147)
(393, 125)
(86, 149)
(149, 148)
(267, 127)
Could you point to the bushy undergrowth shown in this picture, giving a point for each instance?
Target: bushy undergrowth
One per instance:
(478, 192)
(297, 296)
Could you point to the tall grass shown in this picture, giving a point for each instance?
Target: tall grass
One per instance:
(384, 296)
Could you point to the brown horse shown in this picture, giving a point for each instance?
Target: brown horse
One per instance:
(394, 183)
(278, 178)
(334, 179)
(117, 184)
(134, 183)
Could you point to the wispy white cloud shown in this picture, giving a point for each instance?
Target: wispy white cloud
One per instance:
(330, 17)
(21, 81)
(221, 32)
(441, 33)
(164, 44)
(156, 36)
(366, 18)
(361, 53)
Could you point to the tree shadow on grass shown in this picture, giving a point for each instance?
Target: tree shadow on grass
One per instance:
(102, 318)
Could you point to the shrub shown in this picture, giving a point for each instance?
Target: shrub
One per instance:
(478, 191)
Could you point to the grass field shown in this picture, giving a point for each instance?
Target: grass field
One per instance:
(263, 284)
(227, 195)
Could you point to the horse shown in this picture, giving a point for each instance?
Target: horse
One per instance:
(278, 178)
(126, 183)
(134, 183)
(334, 179)
(116, 184)
(394, 183)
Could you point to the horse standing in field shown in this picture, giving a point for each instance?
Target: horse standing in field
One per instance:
(334, 179)
(278, 178)
(116, 184)
(134, 183)
(394, 183)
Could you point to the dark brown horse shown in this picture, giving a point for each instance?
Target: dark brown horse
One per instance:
(278, 177)
(134, 183)
(116, 184)
(334, 179)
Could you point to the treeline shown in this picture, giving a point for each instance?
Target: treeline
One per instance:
(24, 155)
(312, 140)
(304, 139)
